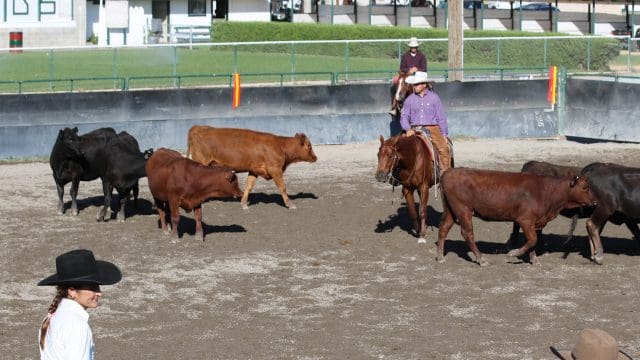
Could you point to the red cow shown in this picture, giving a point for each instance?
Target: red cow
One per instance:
(186, 184)
(531, 200)
(258, 153)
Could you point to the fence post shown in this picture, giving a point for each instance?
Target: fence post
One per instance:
(545, 53)
(346, 59)
(562, 95)
(51, 63)
(115, 65)
(175, 65)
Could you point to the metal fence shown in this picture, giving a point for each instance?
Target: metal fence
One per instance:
(89, 68)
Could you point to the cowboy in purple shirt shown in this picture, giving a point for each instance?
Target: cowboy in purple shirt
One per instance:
(423, 111)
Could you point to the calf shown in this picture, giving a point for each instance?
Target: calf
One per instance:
(531, 200)
(114, 158)
(545, 168)
(183, 183)
(70, 160)
(258, 153)
(617, 189)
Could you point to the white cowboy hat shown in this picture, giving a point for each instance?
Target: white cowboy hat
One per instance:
(418, 77)
(413, 42)
(593, 344)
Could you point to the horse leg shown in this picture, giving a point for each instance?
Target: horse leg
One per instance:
(424, 197)
(411, 206)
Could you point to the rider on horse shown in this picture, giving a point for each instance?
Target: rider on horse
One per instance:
(423, 113)
(412, 61)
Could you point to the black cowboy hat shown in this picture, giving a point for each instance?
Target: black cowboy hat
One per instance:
(79, 267)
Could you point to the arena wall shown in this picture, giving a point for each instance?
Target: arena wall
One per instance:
(603, 110)
(327, 114)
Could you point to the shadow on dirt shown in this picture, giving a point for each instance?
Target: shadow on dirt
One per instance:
(547, 244)
(187, 226)
(276, 198)
(401, 220)
(143, 207)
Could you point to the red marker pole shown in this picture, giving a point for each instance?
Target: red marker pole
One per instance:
(553, 82)
(235, 101)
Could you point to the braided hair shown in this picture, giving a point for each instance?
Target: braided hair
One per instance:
(61, 293)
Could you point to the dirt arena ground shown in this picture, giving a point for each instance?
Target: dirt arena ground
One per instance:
(340, 277)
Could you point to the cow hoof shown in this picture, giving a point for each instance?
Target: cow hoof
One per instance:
(74, 212)
(166, 232)
(292, 207)
(244, 206)
(440, 259)
(120, 219)
(422, 241)
(482, 262)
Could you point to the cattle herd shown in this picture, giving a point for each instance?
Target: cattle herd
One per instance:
(530, 199)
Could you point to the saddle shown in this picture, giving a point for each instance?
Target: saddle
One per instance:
(424, 135)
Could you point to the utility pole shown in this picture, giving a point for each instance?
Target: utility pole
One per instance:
(456, 39)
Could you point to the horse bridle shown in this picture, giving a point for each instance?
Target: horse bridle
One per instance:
(395, 163)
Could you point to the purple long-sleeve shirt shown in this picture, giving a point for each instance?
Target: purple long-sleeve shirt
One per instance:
(424, 110)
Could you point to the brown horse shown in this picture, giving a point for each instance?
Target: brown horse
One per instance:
(400, 91)
(407, 161)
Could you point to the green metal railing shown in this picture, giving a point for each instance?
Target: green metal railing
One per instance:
(67, 85)
(258, 79)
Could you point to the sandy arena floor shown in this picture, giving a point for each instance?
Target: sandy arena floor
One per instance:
(340, 277)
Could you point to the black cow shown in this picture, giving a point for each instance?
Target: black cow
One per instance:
(617, 189)
(102, 153)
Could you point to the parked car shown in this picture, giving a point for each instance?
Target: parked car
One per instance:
(502, 5)
(624, 43)
(539, 7)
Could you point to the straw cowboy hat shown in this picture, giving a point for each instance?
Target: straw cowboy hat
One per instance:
(593, 344)
(80, 267)
(418, 77)
(413, 42)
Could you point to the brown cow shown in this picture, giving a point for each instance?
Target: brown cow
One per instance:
(258, 153)
(531, 200)
(186, 184)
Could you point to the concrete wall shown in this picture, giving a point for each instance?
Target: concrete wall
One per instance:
(602, 110)
(327, 114)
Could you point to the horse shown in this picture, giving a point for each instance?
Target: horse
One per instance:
(400, 90)
(406, 160)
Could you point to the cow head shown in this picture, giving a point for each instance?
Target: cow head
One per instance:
(147, 153)
(70, 142)
(305, 153)
(579, 193)
(233, 183)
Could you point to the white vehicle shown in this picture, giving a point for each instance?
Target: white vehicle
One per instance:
(501, 5)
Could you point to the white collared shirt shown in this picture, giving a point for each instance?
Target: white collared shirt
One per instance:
(69, 336)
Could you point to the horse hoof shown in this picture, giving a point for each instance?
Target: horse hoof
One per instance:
(422, 241)
(599, 259)
(292, 207)
(75, 212)
(440, 259)
(514, 253)
(244, 206)
(482, 262)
